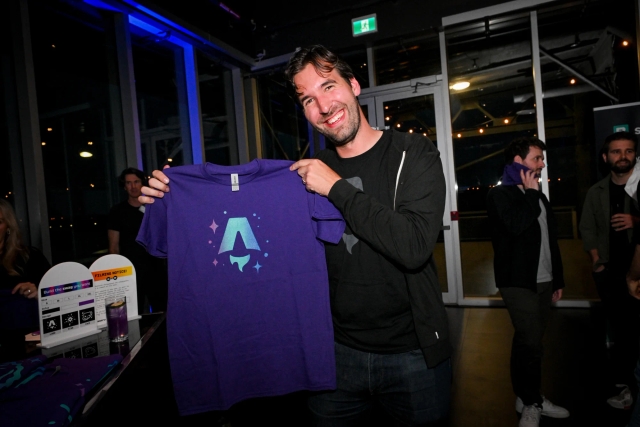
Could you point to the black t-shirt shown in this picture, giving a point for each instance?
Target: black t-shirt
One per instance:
(127, 219)
(369, 296)
(620, 250)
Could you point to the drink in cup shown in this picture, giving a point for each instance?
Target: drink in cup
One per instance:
(116, 312)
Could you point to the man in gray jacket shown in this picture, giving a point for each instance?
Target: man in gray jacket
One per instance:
(608, 218)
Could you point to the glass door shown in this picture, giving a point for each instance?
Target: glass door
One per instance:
(416, 106)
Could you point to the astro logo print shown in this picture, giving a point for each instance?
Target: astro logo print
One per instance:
(238, 239)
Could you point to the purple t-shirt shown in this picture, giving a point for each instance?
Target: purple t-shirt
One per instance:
(248, 312)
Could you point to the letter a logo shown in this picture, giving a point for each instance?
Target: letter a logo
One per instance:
(238, 226)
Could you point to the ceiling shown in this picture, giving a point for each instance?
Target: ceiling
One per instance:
(277, 27)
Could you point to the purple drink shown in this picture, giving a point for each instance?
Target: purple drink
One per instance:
(117, 319)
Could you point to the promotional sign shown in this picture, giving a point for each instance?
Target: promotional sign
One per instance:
(91, 346)
(114, 275)
(612, 119)
(67, 304)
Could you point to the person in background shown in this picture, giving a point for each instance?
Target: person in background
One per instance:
(123, 223)
(633, 286)
(609, 216)
(21, 268)
(528, 270)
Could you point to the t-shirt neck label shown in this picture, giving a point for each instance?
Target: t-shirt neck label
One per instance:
(235, 185)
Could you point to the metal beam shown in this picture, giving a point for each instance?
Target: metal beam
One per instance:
(577, 73)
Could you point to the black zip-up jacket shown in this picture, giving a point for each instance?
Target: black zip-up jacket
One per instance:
(406, 232)
(516, 237)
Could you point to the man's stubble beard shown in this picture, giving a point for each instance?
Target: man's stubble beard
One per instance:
(348, 133)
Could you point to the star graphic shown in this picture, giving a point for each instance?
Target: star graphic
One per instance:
(213, 225)
(257, 267)
(215, 262)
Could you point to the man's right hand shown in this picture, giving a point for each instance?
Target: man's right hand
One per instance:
(529, 180)
(158, 185)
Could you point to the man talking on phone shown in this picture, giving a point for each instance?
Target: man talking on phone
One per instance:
(528, 270)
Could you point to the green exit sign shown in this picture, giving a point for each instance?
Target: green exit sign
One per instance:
(364, 25)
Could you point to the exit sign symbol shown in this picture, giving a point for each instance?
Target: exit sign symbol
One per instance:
(364, 25)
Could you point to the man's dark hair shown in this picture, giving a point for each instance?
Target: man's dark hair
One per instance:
(322, 59)
(131, 171)
(520, 147)
(620, 136)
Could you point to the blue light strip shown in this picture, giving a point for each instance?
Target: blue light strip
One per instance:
(191, 76)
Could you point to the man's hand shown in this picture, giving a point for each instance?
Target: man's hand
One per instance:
(634, 287)
(557, 295)
(316, 176)
(623, 221)
(529, 180)
(26, 289)
(158, 185)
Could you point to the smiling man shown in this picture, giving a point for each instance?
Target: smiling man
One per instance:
(609, 215)
(528, 270)
(390, 325)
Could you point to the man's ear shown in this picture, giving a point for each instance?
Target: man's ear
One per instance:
(604, 157)
(355, 86)
(518, 159)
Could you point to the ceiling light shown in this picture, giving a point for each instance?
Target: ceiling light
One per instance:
(572, 81)
(460, 85)
(625, 43)
(85, 154)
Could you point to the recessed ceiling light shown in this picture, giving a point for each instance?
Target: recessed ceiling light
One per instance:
(460, 85)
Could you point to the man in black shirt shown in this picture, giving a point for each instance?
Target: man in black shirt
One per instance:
(391, 328)
(608, 218)
(123, 223)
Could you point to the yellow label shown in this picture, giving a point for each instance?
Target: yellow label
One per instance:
(112, 273)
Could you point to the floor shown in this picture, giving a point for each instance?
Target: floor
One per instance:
(575, 356)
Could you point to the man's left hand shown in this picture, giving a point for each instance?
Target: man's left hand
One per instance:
(621, 221)
(316, 175)
(557, 295)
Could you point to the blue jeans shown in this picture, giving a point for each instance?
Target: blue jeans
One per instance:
(401, 386)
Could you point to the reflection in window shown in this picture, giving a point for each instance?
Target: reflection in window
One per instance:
(9, 129)
(284, 129)
(578, 39)
(74, 73)
(490, 77)
(214, 81)
(161, 96)
(407, 58)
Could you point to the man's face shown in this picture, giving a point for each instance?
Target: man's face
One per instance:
(534, 160)
(329, 103)
(621, 157)
(132, 185)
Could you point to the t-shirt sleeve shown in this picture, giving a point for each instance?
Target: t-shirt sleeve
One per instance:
(328, 221)
(153, 231)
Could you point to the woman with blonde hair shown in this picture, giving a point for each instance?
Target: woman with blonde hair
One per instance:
(21, 268)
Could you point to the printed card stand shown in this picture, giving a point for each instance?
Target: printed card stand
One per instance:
(66, 304)
(114, 275)
(91, 346)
